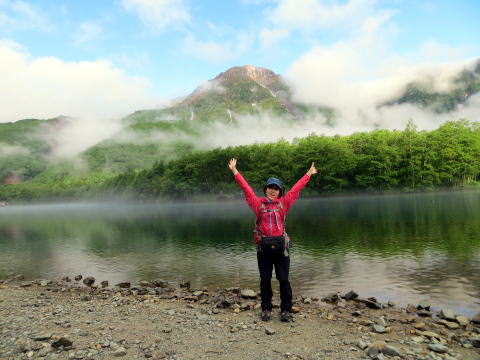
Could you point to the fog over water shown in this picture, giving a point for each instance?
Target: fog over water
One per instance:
(404, 248)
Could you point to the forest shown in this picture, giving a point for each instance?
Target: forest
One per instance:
(376, 161)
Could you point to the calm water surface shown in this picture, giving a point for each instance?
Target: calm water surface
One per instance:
(404, 248)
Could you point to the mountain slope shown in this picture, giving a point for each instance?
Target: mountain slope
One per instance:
(464, 85)
(25, 146)
(237, 92)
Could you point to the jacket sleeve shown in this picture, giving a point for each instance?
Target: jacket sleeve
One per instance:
(252, 200)
(291, 196)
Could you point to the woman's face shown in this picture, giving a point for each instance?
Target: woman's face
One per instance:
(272, 192)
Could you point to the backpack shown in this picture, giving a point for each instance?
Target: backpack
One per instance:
(271, 244)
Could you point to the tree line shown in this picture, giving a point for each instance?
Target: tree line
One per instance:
(379, 160)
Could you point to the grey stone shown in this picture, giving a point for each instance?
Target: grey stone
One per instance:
(476, 319)
(124, 285)
(439, 348)
(63, 341)
(248, 294)
(160, 283)
(390, 350)
(350, 295)
(380, 321)
(379, 329)
(373, 304)
(198, 293)
(78, 277)
(475, 341)
(373, 352)
(269, 331)
(42, 336)
(89, 280)
(46, 349)
(120, 351)
(423, 305)
(362, 344)
(447, 314)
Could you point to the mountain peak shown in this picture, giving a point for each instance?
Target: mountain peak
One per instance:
(260, 75)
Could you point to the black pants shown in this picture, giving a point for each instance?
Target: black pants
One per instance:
(266, 263)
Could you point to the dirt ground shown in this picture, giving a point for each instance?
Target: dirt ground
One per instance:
(59, 321)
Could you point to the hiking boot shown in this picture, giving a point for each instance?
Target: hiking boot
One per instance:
(266, 315)
(285, 316)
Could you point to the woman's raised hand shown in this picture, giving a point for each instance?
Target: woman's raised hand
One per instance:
(232, 165)
(312, 170)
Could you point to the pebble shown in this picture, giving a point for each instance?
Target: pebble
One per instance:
(120, 351)
(248, 294)
(42, 336)
(269, 331)
(362, 345)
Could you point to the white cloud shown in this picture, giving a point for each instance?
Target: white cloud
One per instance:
(19, 15)
(317, 14)
(94, 92)
(87, 32)
(345, 77)
(217, 52)
(269, 37)
(10, 150)
(158, 14)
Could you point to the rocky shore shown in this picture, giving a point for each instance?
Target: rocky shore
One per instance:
(76, 319)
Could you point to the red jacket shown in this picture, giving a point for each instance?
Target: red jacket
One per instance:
(271, 222)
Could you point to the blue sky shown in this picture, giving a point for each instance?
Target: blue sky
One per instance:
(161, 49)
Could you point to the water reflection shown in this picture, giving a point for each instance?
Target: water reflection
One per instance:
(405, 248)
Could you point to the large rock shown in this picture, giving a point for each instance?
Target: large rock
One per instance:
(248, 294)
(89, 280)
(120, 351)
(475, 341)
(124, 285)
(390, 350)
(350, 295)
(160, 283)
(379, 329)
(63, 341)
(447, 314)
(449, 324)
(438, 348)
(331, 298)
(476, 319)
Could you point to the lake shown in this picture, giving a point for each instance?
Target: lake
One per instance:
(405, 248)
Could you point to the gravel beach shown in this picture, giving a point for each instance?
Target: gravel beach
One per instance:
(71, 319)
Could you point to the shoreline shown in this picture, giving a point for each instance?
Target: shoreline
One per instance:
(70, 319)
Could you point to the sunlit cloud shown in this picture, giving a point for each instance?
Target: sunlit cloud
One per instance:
(95, 93)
